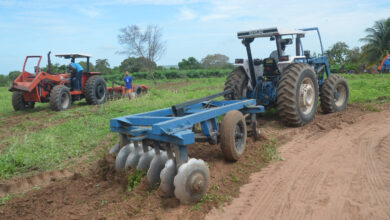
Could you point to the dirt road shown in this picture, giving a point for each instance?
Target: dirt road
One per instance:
(343, 173)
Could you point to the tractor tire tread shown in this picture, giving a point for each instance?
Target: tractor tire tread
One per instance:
(55, 95)
(287, 104)
(90, 95)
(237, 81)
(327, 93)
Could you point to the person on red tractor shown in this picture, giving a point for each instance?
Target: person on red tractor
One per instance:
(77, 71)
(129, 84)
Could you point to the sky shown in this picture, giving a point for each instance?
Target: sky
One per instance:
(190, 28)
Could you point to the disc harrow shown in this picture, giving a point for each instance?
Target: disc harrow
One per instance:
(157, 142)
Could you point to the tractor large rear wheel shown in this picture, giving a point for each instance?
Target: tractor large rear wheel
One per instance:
(60, 98)
(18, 102)
(96, 90)
(238, 82)
(297, 98)
(334, 94)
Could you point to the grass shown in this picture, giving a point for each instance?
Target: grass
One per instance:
(79, 129)
(134, 179)
(369, 87)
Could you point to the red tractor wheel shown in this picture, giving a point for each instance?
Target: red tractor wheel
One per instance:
(60, 98)
(19, 103)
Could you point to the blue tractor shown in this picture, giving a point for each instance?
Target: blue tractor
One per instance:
(157, 141)
(291, 83)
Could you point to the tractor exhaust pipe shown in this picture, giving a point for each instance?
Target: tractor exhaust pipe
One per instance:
(49, 63)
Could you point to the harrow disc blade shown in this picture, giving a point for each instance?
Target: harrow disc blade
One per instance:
(167, 175)
(144, 161)
(191, 181)
(157, 164)
(114, 149)
(133, 158)
(120, 160)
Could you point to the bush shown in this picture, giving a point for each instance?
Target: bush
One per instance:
(172, 74)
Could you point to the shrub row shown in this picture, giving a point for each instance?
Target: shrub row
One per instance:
(173, 74)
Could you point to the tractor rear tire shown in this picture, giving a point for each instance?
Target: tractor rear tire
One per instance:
(297, 98)
(96, 90)
(233, 135)
(238, 82)
(60, 98)
(334, 94)
(18, 102)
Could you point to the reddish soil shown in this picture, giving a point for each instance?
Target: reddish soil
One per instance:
(333, 167)
(342, 173)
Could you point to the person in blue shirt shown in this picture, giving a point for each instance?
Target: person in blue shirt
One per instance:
(129, 84)
(76, 70)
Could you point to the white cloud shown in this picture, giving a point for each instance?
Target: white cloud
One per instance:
(187, 14)
(90, 12)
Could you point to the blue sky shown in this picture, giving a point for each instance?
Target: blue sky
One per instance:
(190, 28)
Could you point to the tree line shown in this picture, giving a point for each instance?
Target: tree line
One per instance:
(376, 46)
(144, 47)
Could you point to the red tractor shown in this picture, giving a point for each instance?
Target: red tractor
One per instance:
(56, 88)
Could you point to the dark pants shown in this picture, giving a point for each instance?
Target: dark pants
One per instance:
(76, 81)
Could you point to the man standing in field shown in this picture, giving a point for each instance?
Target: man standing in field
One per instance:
(129, 84)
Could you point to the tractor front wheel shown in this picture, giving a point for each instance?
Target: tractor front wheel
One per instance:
(96, 91)
(60, 98)
(334, 94)
(297, 98)
(19, 103)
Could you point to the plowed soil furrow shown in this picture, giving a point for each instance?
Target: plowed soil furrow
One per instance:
(340, 174)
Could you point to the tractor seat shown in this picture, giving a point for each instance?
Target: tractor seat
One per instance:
(270, 67)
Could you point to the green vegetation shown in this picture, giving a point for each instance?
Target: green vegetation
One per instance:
(172, 74)
(134, 179)
(369, 87)
(66, 136)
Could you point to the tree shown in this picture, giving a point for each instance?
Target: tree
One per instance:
(377, 41)
(147, 44)
(338, 53)
(133, 64)
(103, 66)
(4, 80)
(190, 63)
(13, 75)
(353, 55)
(216, 61)
(92, 68)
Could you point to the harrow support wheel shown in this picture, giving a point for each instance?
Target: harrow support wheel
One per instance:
(60, 98)
(297, 98)
(191, 181)
(233, 135)
(334, 94)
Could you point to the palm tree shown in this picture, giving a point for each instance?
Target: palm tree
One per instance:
(377, 41)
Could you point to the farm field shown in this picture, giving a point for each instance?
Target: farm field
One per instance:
(55, 164)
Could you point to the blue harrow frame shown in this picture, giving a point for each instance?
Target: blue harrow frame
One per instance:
(165, 126)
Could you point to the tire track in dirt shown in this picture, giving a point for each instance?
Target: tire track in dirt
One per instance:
(27, 183)
(341, 174)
